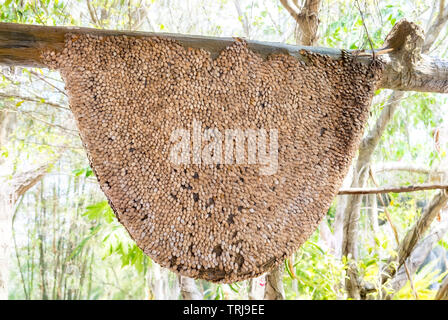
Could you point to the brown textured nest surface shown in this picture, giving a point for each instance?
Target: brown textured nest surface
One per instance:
(219, 222)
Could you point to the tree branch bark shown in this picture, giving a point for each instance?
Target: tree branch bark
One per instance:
(307, 19)
(23, 44)
(436, 27)
(274, 284)
(442, 294)
(188, 289)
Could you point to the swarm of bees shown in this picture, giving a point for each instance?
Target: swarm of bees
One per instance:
(216, 221)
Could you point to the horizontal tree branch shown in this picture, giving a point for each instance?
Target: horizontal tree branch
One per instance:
(428, 70)
(22, 45)
(392, 189)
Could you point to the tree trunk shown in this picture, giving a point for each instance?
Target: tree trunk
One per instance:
(307, 19)
(256, 289)
(157, 280)
(406, 39)
(188, 289)
(274, 284)
(442, 294)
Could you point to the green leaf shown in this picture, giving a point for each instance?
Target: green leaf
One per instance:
(317, 247)
(232, 287)
(81, 245)
(89, 172)
(5, 153)
(97, 210)
(78, 172)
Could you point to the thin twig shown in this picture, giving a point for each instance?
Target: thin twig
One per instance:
(93, 15)
(47, 82)
(33, 99)
(62, 146)
(36, 13)
(399, 189)
(365, 28)
(67, 130)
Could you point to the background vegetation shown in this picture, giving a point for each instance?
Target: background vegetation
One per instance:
(67, 241)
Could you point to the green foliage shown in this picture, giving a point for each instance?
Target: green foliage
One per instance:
(115, 240)
(318, 273)
(87, 172)
(88, 254)
(422, 281)
(44, 12)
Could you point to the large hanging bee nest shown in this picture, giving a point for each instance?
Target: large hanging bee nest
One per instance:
(206, 216)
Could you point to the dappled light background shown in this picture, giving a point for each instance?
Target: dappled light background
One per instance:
(67, 241)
